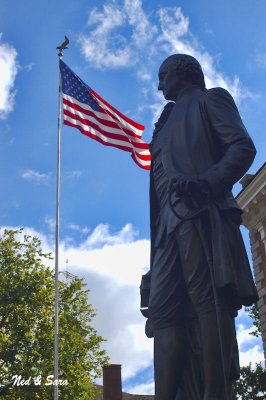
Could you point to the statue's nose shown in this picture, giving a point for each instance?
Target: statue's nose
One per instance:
(160, 86)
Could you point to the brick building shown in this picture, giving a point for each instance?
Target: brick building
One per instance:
(252, 199)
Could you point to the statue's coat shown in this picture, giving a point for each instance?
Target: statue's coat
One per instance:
(204, 137)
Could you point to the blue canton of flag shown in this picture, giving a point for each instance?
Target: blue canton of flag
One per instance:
(73, 86)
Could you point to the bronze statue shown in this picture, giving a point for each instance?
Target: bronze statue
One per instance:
(200, 275)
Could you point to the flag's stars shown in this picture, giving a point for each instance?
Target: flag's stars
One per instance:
(73, 86)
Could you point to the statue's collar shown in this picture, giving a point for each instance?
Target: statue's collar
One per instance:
(186, 91)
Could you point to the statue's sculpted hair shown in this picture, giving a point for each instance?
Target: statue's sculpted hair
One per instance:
(188, 67)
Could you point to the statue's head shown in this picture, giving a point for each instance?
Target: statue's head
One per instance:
(177, 72)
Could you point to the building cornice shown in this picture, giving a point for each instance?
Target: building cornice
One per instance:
(252, 199)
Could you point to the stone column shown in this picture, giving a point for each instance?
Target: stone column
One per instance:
(252, 199)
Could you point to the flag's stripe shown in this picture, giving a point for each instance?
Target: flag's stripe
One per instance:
(92, 118)
(128, 120)
(71, 110)
(143, 155)
(101, 117)
(104, 108)
(109, 131)
(143, 163)
(86, 124)
(104, 113)
(140, 160)
(94, 135)
(141, 151)
(121, 123)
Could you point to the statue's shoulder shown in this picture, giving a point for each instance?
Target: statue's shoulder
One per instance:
(218, 97)
(217, 91)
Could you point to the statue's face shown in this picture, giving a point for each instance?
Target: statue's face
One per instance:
(169, 81)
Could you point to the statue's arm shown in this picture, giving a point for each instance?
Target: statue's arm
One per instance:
(233, 139)
(154, 211)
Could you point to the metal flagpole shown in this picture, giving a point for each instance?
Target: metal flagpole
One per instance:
(56, 355)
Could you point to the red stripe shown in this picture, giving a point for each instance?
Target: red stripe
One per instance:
(137, 145)
(141, 145)
(120, 123)
(86, 133)
(112, 124)
(143, 156)
(96, 127)
(147, 167)
(133, 123)
(95, 137)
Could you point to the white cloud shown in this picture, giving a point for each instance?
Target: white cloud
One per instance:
(174, 26)
(119, 320)
(8, 71)
(112, 264)
(75, 174)
(106, 46)
(96, 46)
(144, 75)
(250, 347)
(50, 222)
(28, 67)
(148, 40)
(144, 388)
(31, 175)
(74, 227)
(119, 256)
(261, 59)
(143, 30)
(101, 236)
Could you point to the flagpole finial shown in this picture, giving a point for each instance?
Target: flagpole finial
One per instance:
(63, 47)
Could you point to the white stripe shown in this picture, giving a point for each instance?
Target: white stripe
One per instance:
(143, 152)
(95, 121)
(139, 153)
(104, 115)
(100, 135)
(141, 161)
(122, 121)
(108, 129)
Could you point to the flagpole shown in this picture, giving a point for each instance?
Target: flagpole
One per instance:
(57, 225)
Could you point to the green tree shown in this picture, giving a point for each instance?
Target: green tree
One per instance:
(252, 382)
(253, 312)
(27, 326)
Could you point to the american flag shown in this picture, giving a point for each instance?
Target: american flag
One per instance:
(85, 110)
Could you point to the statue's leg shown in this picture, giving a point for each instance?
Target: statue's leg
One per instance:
(199, 289)
(165, 312)
(211, 352)
(169, 360)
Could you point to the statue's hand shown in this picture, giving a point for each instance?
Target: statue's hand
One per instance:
(193, 189)
(188, 186)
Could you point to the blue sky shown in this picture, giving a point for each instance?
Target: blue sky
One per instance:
(116, 47)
